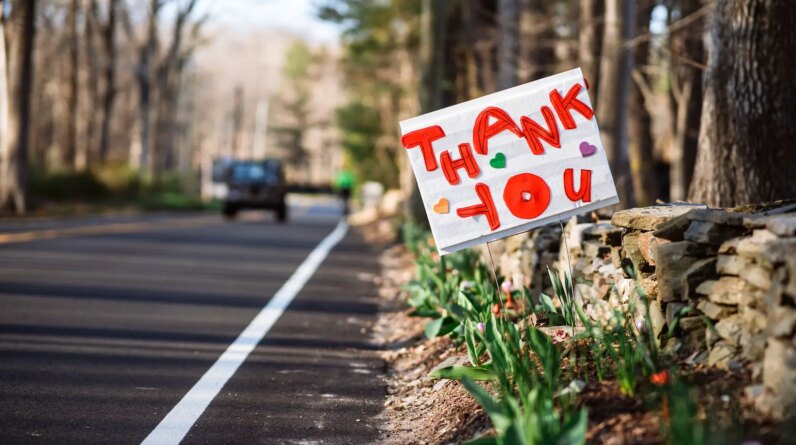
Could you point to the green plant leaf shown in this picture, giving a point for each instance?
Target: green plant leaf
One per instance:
(457, 372)
(483, 441)
(547, 302)
(482, 396)
(574, 430)
(433, 327)
(469, 338)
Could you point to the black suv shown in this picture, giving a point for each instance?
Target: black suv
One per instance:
(256, 185)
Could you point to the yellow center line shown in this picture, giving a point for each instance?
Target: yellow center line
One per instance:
(104, 229)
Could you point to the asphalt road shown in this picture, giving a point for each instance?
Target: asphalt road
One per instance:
(102, 332)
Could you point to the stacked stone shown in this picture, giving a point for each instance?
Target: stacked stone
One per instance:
(727, 277)
(701, 270)
(524, 258)
(768, 272)
(591, 252)
(660, 261)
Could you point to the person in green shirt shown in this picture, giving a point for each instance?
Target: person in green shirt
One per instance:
(344, 183)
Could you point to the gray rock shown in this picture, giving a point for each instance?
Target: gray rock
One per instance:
(673, 346)
(754, 246)
(705, 232)
(731, 264)
(778, 251)
(604, 232)
(730, 247)
(754, 320)
(753, 349)
(656, 318)
(632, 251)
(692, 332)
(595, 249)
(779, 376)
(715, 311)
(730, 328)
(691, 248)
(757, 276)
(717, 216)
(706, 287)
(783, 226)
(733, 291)
(649, 286)
(721, 354)
(649, 218)
(647, 244)
(711, 337)
(673, 229)
(782, 322)
(672, 265)
(699, 272)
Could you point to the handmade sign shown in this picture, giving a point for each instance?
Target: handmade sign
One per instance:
(510, 161)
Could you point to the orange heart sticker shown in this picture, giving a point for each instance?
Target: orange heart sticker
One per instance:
(441, 206)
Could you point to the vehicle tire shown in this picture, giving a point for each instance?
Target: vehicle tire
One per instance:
(229, 211)
(281, 212)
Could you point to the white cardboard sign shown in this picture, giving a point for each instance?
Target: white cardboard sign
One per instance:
(510, 161)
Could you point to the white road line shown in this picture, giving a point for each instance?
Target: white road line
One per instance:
(173, 428)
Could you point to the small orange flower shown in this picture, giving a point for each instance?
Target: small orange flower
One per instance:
(496, 308)
(660, 378)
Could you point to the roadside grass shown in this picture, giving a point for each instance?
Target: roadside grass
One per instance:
(110, 189)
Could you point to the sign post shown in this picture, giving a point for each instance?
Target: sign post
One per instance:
(510, 161)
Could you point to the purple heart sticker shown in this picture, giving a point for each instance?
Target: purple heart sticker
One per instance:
(586, 149)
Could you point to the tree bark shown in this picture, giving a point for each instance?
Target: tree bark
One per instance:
(645, 184)
(145, 73)
(109, 99)
(72, 85)
(432, 37)
(687, 50)
(508, 27)
(615, 69)
(90, 112)
(537, 40)
(168, 75)
(590, 43)
(745, 152)
(20, 35)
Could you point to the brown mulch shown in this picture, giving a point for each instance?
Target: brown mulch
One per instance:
(419, 409)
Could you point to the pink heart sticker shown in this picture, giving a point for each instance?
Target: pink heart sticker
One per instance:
(586, 149)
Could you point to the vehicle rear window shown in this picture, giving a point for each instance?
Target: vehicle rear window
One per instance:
(254, 172)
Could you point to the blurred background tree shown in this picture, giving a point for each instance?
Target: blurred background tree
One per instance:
(646, 65)
(138, 95)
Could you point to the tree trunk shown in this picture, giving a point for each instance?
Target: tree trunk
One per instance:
(432, 37)
(686, 47)
(145, 75)
(645, 183)
(537, 40)
(590, 43)
(86, 149)
(614, 86)
(108, 102)
(72, 85)
(168, 76)
(746, 150)
(508, 27)
(20, 34)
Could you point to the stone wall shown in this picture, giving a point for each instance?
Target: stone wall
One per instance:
(723, 281)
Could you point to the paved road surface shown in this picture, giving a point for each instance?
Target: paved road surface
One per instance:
(102, 332)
